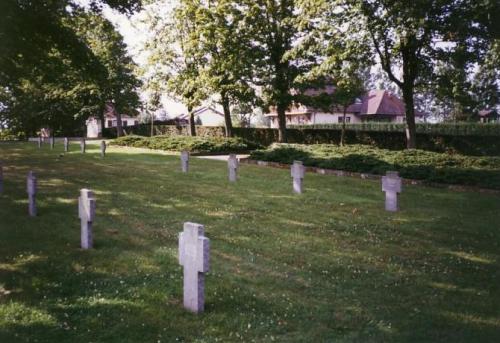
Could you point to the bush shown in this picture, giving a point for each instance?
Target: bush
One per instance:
(8, 135)
(412, 164)
(196, 145)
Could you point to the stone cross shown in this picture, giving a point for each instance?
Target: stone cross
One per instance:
(86, 213)
(1, 177)
(39, 142)
(52, 142)
(194, 254)
(232, 164)
(185, 161)
(31, 185)
(392, 186)
(66, 144)
(103, 148)
(297, 171)
(82, 145)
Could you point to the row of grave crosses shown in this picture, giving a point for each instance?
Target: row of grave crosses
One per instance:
(83, 145)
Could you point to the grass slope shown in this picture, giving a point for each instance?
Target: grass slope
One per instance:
(412, 164)
(326, 266)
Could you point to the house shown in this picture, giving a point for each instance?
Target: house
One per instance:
(489, 116)
(376, 105)
(94, 124)
(206, 116)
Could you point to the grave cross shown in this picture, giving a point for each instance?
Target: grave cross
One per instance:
(1, 177)
(392, 186)
(66, 144)
(31, 185)
(82, 145)
(297, 171)
(52, 142)
(232, 164)
(185, 161)
(194, 254)
(86, 213)
(103, 148)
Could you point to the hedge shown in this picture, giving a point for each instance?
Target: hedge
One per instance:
(479, 140)
(196, 145)
(412, 164)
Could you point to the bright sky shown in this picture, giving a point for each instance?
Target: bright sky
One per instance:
(135, 34)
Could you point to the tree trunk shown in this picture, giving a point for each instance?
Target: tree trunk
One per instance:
(411, 134)
(152, 124)
(227, 115)
(119, 128)
(281, 110)
(102, 118)
(342, 133)
(192, 126)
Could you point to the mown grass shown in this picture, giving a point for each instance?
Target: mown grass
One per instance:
(326, 266)
(412, 164)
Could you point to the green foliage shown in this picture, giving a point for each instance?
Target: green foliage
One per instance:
(412, 164)
(196, 145)
(8, 135)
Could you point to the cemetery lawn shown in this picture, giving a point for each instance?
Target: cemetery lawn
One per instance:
(325, 266)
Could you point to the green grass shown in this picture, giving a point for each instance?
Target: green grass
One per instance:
(196, 145)
(329, 265)
(412, 164)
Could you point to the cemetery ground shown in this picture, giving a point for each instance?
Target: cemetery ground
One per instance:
(329, 265)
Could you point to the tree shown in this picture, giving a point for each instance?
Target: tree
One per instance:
(274, 28)
(226, 44)
(48, 71)
(403, 36)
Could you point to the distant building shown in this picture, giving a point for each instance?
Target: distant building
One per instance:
(206, 116)
(489, 116)
(94, 124)
(376, 105)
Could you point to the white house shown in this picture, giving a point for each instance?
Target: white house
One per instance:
(376, 105)
(94, 124)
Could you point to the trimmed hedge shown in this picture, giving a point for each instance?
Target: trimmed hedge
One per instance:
(196, 145)
(486, 143)
(412, 164)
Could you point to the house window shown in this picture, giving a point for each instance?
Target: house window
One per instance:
(347, 119)
(124, 123)
(110, 123)
(136, 122)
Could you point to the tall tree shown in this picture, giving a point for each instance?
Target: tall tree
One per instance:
(175, 56)
(403, 36)
(274, 27)
(226, 44)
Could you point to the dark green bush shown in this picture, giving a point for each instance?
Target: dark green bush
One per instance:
(196, 145)
(412, 164)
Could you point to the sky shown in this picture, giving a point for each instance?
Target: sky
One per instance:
(135, 34)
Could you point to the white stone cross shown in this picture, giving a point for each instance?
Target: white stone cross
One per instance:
(39, 142)
(66, 144)
(185, 161)
(194, 255)
(392, 186)
(103, 148)
(232, 165)
(86, 213)
(31, 185)
(82, 145)
(52, 142)
(1, 177)
(297, 172)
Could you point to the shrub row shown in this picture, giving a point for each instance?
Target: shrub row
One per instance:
(412, 164)
(479, 145)
(196, 145)
(454, 129)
